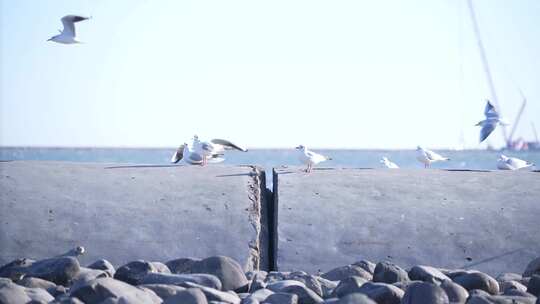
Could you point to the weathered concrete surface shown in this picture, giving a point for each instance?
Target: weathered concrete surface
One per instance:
(124, 212)
(488, 221)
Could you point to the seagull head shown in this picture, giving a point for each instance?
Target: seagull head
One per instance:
(301, 147)
(503, 157)
(418, 148)
(384, 159)
(80, 250)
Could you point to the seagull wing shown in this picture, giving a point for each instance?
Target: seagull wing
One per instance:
(69, 24)
(178, 155)
(316, 156)
(433, 156)
(207, 147)
(227, 144)
(490, 111)
(487, 128)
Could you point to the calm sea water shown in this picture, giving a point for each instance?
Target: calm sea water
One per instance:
(268, 158)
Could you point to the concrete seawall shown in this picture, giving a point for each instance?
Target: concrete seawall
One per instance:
(488, 221)
(127, 212)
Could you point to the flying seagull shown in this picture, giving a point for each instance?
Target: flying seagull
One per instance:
(492, 120)
(388, 164)
(213, 148)
(427, 157)
(310, 158)
(67, 35)
(511, 163)
(184, 152)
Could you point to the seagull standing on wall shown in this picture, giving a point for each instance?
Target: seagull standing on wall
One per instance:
(492, 120)
(427, 157)
(388, 163)
(310, 158)
(512, 163)
(67, 35)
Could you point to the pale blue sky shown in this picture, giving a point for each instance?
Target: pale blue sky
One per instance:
(361, 74)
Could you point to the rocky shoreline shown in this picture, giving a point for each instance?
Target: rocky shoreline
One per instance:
(220, 279)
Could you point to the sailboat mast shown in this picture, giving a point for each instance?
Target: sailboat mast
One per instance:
(486, 66)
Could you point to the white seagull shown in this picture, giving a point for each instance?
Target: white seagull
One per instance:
(511, 163)
(310, 158)
(492, 120)
(184, 152)
(388, 164)
(214, 148)
(67, 35)
(427, 157)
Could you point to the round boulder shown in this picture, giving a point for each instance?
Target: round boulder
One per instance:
(133, 272)
(14, 293)
(382, 293)
(348, 286)
(426, 293)
(101, 289)
(478, 280)
(181, 265)
(427, 274)
(366, 265)
(229, 272)
(534, 285)
(532, 268)
(455, 292)
(341, 273)
(386, 272)
(59, 270)
(103, 265)
(188, 296)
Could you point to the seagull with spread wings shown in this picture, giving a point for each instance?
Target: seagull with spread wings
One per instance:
(204, 152)
(184, 152)
(211, 149)
(67, 35)
(492, 120)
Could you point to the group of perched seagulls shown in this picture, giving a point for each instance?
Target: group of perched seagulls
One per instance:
(428, 157)
(203, 152)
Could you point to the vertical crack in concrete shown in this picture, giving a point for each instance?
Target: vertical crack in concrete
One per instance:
(273, 201)
(256, 219)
